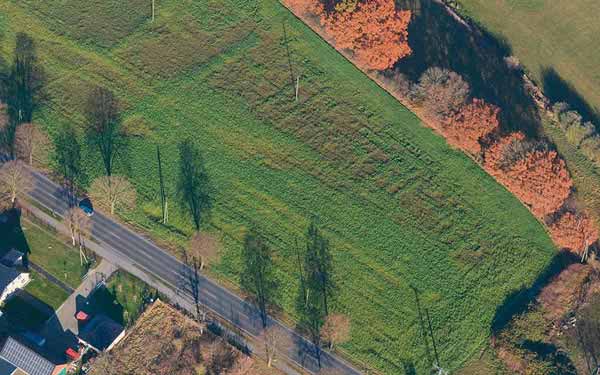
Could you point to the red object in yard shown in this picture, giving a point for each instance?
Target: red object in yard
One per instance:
(81, 316)
(74, 355)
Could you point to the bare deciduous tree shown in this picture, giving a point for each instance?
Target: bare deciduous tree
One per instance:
(336, 329)
(113, 192)
(442, 92)
(79, 227)
(222, 358)
(32, 144)
(15, 181)
(271, 337)
(205, 248)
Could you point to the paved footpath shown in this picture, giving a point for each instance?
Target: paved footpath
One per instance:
(62, 328)
(51, 278)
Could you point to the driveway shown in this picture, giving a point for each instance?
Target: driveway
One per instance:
(62, 328)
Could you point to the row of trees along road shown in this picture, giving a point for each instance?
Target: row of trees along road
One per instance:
(20, 95)
(104, 133)
(258, 280)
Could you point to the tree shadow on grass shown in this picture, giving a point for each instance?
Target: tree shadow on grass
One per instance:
(559, 90)
(519, 300)
(439, 39)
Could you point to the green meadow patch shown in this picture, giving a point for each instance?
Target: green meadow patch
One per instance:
(92, 22)
(408, 217)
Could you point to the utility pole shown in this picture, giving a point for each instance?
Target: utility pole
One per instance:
(297, 85)
(153, 10)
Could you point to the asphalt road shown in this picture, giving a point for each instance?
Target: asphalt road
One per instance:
(158, 264)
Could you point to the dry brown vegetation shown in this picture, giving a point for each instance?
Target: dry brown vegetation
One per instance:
(166, 342)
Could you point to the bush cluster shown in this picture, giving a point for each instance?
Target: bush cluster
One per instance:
(579, 133)
(442, 92)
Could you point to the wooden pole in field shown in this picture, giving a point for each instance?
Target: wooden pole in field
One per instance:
(152, 10)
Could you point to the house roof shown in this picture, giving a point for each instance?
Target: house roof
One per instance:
(7, 276)
(11, 257)
(6, 368)
(25, 359)
(100, 332)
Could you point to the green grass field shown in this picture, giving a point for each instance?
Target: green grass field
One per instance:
(399, 206)
(559, 34)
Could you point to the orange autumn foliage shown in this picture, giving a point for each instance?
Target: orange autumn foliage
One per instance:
(473, 123)
(540, 179)
(306, 7)
(574, 232)
(374, 30)
(493, 155)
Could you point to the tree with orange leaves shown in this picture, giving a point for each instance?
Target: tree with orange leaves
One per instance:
(473, 123)
(306, 7)
(575, 232)
(536, 175)
(374, 30)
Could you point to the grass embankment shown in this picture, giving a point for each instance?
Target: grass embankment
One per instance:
(556, 34)
(400, 207)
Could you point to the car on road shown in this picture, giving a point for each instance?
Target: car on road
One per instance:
(86, 206)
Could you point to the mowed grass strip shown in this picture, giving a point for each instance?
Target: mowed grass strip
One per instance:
(558, 34)
(400, 207)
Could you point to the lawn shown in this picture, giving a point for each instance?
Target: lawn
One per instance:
(123, 298)
(43, 248)
(47, 251)
(47, 292)
(53, 255)
(549, 34)
(399, 206)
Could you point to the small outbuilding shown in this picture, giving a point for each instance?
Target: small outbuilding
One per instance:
(13, 258)
(11, 280)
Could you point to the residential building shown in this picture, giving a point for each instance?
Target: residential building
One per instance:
(19, 359)
(11, 280)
